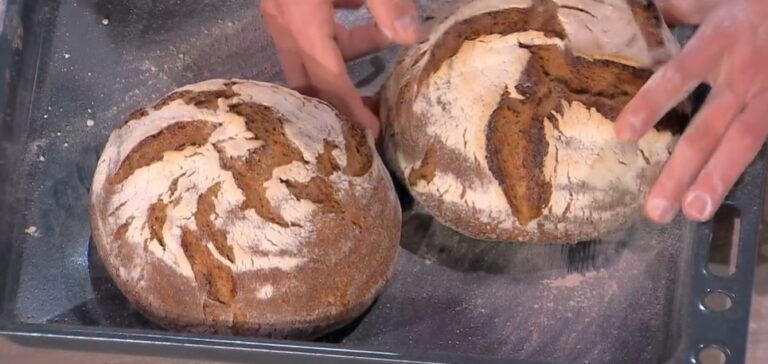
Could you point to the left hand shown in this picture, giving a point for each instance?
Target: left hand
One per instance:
(728, 52)
(313, 47)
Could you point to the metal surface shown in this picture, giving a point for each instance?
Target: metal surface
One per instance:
(631, 298)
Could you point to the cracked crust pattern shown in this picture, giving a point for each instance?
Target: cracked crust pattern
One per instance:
(500, 120)
(241, 207)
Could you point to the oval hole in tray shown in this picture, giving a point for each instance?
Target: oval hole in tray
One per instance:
(712, 355)
(718, 301)
(724, 247)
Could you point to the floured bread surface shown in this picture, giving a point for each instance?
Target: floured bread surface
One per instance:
(243, 207)
(501, 120)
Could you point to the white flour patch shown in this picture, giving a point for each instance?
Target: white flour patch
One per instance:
(32, 231)
(265, 292)
(571, 280)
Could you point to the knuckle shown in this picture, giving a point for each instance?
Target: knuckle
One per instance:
(694, 146)
(671, 75)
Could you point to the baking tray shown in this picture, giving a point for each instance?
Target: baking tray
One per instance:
(73, 69)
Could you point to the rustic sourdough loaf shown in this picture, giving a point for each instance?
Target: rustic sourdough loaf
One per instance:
(241, 207)
(500, 121)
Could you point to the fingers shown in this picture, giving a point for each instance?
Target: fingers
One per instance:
(673, 82)
(738, 148)
(327, 71)
(693, 150)
(398, 19)
(314, 34)
(290, 60)
(360, 41)
(312, 49)
(287, 49)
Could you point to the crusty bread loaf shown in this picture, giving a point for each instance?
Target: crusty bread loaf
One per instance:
(242, 207)
(500, 122)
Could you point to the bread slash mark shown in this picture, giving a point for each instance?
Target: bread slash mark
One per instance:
(319, 191)
(359, 155)
(136, 115)
(200, 99)
(427, 169)
(517, 144)
(542, 17)
(175, 137)
(206, 207)
(156, 220)
(213, 276)
(255, 170)
(326, 162)
(517, 147)
(122, 230)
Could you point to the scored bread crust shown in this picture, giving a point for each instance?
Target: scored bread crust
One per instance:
(241, 207)
(500, 121)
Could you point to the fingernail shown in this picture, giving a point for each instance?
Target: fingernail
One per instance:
(698, 206)
(659, 210)
(406, 27)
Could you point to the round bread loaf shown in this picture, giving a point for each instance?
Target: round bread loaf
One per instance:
(500, 122)
(241, 207)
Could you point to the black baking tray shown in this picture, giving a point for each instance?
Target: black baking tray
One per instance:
(633, 298)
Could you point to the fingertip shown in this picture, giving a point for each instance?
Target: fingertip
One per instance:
(659, 210)
(371, 123)
(364, 117)
(372, 103)
(404, 30)
(407, 29)
(698, 206)
(626, 129)
(397, 20)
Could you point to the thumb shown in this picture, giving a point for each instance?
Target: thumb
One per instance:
(397, 19)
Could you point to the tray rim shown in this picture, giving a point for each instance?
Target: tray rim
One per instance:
(233, 349)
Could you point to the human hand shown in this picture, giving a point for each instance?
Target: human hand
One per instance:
(728, 52)
(313, 48)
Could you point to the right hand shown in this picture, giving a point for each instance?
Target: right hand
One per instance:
(313, 48)
(728, 52)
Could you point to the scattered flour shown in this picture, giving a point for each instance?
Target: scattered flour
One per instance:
(32, 231)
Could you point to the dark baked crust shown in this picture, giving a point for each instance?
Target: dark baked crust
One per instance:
(516, 144)
(350, 256)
